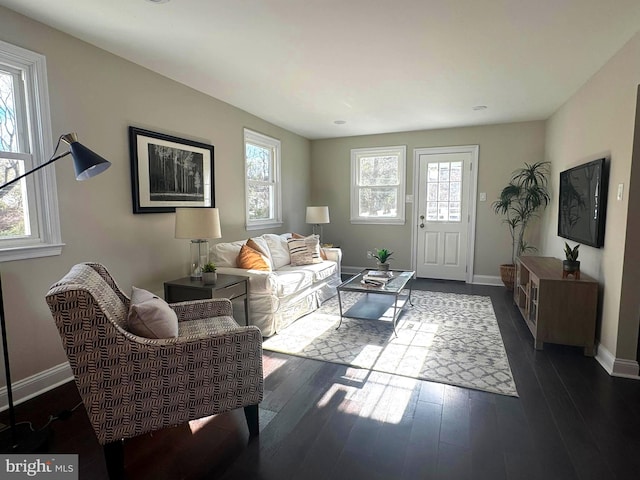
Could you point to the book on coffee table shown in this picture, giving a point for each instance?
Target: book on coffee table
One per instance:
(379, 274)
(374, 280)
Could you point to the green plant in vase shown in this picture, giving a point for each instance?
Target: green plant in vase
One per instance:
(571, 266)
(209, 268)
(382, 255)
(209, 275)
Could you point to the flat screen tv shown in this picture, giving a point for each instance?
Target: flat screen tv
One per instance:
(583, 203)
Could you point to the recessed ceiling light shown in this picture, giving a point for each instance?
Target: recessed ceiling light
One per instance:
(159, 1)
(340, 122)
(480, 107)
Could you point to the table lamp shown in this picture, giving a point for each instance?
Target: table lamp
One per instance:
(317, 216)
(199, 225)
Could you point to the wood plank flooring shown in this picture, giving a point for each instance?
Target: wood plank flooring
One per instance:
(324, 421)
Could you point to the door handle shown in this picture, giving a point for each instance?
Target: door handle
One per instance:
(422, 222)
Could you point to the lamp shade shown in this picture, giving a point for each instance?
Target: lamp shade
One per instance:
(86, 163)
(317, 215)
(198, 223)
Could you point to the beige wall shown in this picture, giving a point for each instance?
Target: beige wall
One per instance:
(599, 121)
(99, 95)
(503, 148)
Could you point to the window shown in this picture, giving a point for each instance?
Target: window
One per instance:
(29, 223)
(262, 181)
(378, 185)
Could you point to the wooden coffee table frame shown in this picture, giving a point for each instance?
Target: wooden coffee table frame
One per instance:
(401, 280)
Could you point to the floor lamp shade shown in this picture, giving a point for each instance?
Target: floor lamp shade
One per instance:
(199, 225)
(86, 163)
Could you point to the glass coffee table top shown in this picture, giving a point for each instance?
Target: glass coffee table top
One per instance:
(381, 301)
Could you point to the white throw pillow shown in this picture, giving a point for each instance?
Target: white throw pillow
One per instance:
(225, 254)
(150, 316)
(305, 251)
(279, 250)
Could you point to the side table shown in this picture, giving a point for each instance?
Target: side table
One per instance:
(232, 287)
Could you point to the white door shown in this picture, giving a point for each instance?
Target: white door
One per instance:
(445, 208)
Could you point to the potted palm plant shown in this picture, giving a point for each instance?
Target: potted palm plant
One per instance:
(519, 202)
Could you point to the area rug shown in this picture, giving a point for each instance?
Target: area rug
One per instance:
(444, 337)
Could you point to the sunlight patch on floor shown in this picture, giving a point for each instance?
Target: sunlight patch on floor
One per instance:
(380, 397)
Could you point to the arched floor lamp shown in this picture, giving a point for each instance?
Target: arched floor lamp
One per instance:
(20, 438)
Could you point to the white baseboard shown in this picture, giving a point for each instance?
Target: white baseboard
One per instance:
(351, 270)
(36, 384)
(487, 280)
(617, 367)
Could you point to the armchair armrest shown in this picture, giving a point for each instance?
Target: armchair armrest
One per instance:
(197, 309)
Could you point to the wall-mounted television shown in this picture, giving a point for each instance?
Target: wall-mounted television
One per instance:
(583, 203)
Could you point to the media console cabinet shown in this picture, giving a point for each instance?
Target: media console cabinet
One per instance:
(556, 310)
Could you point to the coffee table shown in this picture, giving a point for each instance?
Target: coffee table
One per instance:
(377, 300)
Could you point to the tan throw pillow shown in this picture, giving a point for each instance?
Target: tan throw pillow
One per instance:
(304, 251)
(250, 259)
(150, 316)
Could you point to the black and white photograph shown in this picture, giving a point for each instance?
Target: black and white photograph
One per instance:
(169, 172)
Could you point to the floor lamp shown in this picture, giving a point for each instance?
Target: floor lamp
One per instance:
(20, 438)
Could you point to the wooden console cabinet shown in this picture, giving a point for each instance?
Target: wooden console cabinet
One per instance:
(556, 310)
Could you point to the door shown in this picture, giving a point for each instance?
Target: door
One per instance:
(445, 211)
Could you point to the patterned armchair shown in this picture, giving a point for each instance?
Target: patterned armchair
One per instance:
(132, 385)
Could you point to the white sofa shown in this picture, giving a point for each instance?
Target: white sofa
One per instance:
(287, 292)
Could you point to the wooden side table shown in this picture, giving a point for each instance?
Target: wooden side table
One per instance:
(232, 287)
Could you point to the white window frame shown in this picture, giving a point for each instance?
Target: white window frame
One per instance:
(274, 145)
(41, 186)
(356, 154)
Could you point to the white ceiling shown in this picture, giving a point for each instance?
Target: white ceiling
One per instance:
(379, 65)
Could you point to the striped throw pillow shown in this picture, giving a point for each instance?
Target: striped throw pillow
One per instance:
(304, 251)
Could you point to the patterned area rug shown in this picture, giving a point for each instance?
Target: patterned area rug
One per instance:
(444, 337)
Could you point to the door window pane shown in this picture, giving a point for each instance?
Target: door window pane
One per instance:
(444, 190)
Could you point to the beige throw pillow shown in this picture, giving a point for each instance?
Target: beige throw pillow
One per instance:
(304, 251)
(150, 316)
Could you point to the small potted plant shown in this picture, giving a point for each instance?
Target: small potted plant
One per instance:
(571, 266)
(209, 275)
(382, 255)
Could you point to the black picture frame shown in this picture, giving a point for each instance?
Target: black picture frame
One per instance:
(169, 172)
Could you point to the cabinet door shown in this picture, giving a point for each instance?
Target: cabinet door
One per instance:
(532, 310)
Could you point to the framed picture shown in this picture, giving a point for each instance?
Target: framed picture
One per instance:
(169, 172)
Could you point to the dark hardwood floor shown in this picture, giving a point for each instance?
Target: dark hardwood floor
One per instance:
(326, 421)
